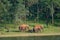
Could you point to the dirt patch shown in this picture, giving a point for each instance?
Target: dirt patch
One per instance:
(29, 34)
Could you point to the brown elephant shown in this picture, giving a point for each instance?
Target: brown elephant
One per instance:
(37, 28)
(23, 27)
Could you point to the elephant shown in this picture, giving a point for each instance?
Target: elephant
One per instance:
(23, 27)
(38, 28)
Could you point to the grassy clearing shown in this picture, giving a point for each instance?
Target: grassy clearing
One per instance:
(14, 28)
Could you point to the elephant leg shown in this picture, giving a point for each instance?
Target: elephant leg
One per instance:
(35, 30)
(41, 30)
(21, 29)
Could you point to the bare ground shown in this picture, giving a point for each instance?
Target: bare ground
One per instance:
(29, 34)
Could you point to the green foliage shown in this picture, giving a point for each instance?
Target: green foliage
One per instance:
(8, 8)
(18, 11)
(45, 10)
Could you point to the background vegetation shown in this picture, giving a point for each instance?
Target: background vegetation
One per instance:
(15, 12)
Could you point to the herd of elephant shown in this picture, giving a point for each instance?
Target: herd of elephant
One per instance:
(36, 28)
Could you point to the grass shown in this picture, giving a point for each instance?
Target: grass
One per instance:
(14, 28)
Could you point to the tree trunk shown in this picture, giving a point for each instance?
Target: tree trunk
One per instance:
(52, 19)
(52, 12)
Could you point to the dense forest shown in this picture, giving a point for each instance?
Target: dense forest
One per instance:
(14, 11)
